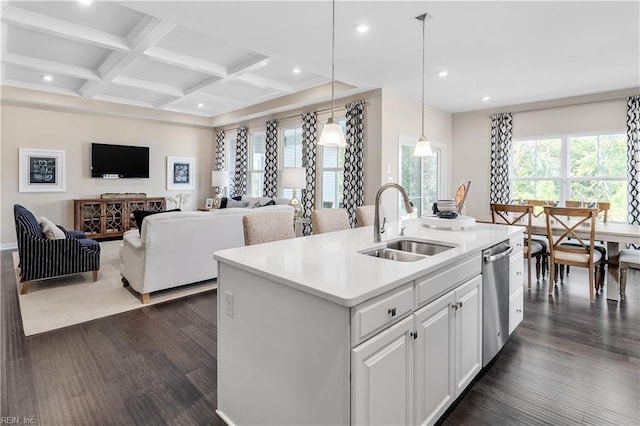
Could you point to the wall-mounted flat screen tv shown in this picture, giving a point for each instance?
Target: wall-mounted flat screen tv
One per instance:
(119, 161)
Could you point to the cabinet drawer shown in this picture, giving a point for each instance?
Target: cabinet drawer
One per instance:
(439, 282)
(517, 243)
(516, 272)
(516, 311)
(380, 312)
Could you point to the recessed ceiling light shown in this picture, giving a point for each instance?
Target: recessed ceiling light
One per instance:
(486, 98)
(85, 2)
(200, 105)
(296, 70)
(443, 74)
(362, 28)
(47, 77)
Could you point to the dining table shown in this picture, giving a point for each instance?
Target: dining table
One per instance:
(616, 235)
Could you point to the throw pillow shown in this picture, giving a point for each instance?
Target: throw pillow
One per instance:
(139, 215)
(231, 203)
(223, 202)
(50, 230)
(268, 203)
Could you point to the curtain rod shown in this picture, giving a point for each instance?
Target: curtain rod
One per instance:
(319, 111)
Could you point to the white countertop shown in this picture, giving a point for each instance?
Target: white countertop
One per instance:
(331, 266)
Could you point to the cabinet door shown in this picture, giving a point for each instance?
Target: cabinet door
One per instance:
(468, 326)
(516, 303)
(434, 359)
(516, 272)
(382, 377)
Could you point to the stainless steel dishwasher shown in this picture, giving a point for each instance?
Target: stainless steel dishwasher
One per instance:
(495, 299)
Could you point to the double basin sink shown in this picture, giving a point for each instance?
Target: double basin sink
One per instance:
(408, 250)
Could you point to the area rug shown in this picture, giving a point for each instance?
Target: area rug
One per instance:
(61, 302)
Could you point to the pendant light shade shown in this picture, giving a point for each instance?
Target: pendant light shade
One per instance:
(332, 134)
(423, 147)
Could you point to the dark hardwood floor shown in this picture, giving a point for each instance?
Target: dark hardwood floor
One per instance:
(569, 362)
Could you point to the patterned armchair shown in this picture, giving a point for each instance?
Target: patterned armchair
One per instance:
(45, 258)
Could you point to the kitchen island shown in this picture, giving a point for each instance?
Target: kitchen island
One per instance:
(313, 331)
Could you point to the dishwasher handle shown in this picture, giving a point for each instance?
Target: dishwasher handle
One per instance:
(492, 258)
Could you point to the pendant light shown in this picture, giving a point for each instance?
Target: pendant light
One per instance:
(332, 132)
(423, 147)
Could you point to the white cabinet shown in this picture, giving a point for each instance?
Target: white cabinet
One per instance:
(434, 359)
(439, 346)
(382, 377)
(468, 332)
(516, 284)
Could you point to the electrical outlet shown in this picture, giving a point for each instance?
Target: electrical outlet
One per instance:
(228, 303)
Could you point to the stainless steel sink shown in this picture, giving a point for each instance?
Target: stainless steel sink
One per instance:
(400, 256)
(419, 247)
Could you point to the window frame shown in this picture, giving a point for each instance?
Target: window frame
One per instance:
(253, 132)
(564, 179)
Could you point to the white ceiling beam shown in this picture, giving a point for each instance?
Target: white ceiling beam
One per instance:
(41, 87)
(60, 28)
(126, 101)
(247, 64)
(50, 67)
(265, 83)
(185, 61)
(144, 35)
(148, 85)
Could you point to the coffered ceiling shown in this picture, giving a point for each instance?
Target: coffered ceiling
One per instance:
(208, 58)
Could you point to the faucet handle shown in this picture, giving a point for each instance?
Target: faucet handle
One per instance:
(402, 231)
(384, 221)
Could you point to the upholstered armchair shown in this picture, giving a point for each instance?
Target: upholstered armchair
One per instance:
(41, 257)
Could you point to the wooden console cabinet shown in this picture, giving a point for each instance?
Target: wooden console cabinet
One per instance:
(111, 217)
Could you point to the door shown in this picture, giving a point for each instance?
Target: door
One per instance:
(468, 325)
(422, 177)
(382, 378)
(434, 359)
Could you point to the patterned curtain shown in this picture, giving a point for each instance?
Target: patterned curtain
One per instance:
(353, 160)
(242, 147)
(220, 150)
(271, 160)
(633, 160)
(309, 153)
(501, 135)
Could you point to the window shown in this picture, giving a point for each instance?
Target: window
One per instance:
(422, 177)
(255, 175)
(331, 171)
(291, 153)
(583, 168)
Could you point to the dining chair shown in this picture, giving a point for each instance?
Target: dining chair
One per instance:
(603, 207)
(365, 214)
(266, 227)
(628, 258)
(520, 215)
(329, 220)
(581, 252)
(537, 212)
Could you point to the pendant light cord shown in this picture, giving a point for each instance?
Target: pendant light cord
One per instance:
(424, 18)
(333, 60)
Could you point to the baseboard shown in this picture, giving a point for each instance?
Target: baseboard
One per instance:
(8, 246)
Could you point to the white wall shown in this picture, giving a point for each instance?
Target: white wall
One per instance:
(472, 138)
(45, 127)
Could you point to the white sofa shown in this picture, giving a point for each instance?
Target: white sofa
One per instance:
(176, 248)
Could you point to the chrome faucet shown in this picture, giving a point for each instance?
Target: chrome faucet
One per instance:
(376, 218)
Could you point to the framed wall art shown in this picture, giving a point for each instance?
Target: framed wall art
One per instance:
(181, 173)
(41, 170)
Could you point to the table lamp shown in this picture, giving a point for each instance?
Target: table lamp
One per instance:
(294, 178)
(219, 180)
